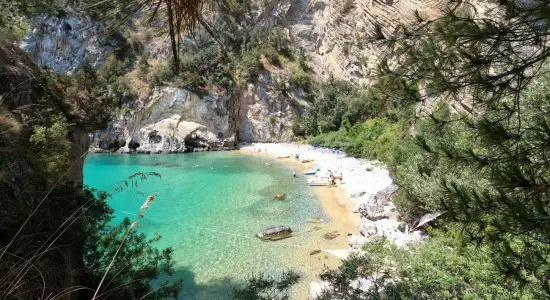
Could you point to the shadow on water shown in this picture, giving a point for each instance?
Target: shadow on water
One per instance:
(218, 289)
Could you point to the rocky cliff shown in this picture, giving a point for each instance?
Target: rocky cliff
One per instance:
(63, 43)
(340, 39)
(171, 120)
(344, 38)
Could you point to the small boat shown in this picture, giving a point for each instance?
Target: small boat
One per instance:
(319, 181)
(275, 233)
(283, 156)
(306, 160)
(310, 172)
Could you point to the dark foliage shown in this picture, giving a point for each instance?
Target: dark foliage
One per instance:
(263, 287)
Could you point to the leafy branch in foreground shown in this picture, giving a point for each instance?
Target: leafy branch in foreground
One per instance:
(180, 15)
(440, 268)
(263, 287)
(487, 164)
(474, 57)
(134, 179)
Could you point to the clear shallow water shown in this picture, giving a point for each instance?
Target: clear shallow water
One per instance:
(208, 208)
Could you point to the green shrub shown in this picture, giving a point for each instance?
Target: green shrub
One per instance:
(112, 68)
(297, 127)
(52, 140)
(374, 139)
(272, 56)
(143, 66)
(272, 120)
(248, 68)
(439, 268)
(262, 287)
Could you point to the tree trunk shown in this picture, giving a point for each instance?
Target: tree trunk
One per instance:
(173, 36)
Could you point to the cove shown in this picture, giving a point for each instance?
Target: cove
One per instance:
(208, 208)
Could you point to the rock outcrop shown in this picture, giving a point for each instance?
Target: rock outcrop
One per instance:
(379, 218)
(339, 38)
(171, 120)
(380, 205)
(344, 38)
(177, 120)
(64, 43)
(267, 113)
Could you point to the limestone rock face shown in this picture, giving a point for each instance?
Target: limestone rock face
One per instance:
(380, 205)
(342, 36)
(367, 227)
(267, 112)
(357, 241)
(63, 43)
(172, 120)
(177, 120)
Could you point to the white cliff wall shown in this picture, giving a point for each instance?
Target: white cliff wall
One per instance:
(64, 43)
(338, 37)
(171, 120)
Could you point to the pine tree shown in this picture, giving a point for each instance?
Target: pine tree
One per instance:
(491, 161)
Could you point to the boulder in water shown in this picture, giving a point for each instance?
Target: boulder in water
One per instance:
(275, 233)
(279, 197)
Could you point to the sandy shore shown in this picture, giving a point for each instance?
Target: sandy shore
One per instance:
(361, 178)
(336, 204)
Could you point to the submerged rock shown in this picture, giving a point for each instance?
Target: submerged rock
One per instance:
(275, 233)
(280, 197)
(331, 235)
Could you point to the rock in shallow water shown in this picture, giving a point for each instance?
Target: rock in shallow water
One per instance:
(280, 196)
(275, 233)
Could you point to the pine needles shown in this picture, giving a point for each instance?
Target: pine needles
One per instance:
(181, 16)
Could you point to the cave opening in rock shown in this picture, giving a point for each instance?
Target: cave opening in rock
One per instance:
(154, 137)
(133, 145)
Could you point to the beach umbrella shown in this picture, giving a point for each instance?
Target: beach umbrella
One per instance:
(427, 218)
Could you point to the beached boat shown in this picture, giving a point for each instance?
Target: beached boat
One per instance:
(319, 181)
(275, 233)
(283, 156)
(306, 160)
(310, 171)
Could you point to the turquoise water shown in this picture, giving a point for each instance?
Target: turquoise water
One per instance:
(208, 208)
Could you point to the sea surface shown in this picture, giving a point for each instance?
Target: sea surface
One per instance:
(208, 208)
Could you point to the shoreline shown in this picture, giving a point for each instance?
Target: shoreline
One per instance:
(362, 180)
(359, 207)
(335, 203)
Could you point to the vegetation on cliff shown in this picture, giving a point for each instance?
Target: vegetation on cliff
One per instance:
(56, 235)
(480, 156)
